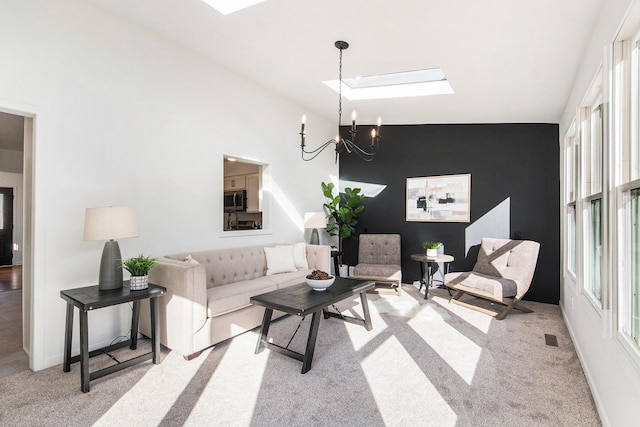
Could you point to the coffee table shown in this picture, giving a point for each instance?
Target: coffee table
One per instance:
(301, 300)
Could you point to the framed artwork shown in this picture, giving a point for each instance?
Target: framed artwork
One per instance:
(445, 198)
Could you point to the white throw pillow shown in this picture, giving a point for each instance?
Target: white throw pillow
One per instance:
(299, 255)
(280, 260)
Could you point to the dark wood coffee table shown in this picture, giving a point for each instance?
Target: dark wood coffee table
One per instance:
(301, 300)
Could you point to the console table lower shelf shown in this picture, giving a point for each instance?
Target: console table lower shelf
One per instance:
(301, 300)
(91, 298)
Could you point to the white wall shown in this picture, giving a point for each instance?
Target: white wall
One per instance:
(613, 374)
(14, 180)
(126, 118)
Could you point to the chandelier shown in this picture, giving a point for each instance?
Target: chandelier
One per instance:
(343, 145)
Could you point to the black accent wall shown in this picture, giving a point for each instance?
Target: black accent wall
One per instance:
(516, 161)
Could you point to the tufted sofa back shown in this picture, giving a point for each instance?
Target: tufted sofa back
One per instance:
(511, 259)
(379, 249)
(231, 265)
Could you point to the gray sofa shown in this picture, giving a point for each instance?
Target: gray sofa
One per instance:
(208, 293)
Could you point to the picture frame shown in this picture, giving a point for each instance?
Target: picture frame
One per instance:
(444, 198)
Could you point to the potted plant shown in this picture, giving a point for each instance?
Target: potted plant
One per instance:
(139, 268)
(342, 211)
(432, 248)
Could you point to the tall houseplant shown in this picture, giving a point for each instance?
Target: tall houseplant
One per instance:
(342, 211)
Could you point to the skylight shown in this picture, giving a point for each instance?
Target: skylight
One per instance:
(395, 85)
(229, 6)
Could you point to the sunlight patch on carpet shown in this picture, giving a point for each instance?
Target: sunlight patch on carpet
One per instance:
(458, 351)
(167, 389)
(393, 305)
(232, 397)
(478, 320)
(390, 365)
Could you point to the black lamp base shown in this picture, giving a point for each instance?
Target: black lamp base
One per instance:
(315, 238)
(110, 267)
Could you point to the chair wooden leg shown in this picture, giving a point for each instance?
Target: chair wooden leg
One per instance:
(499, 316)
(513, 304)
(457, 295)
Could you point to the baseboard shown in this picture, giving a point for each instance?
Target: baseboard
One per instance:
(594, 392)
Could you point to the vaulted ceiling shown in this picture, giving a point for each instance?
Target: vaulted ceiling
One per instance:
(507, 60)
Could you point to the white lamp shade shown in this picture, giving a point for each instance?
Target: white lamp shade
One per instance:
(110, 223)
(315, 220)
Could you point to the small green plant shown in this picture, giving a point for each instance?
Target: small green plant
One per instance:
(431, 245)
(139, 266)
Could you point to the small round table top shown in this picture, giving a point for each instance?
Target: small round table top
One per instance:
(437, 258)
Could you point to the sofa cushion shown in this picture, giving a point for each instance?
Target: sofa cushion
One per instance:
(284, 280)
(233, 296)
(280, 259)
(482, 284)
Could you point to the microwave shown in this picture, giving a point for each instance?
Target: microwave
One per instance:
(235, 201)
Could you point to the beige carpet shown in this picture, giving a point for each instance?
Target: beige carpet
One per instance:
(427, 363)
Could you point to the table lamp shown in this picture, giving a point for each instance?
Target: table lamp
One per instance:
(314, 220)
(109, 224)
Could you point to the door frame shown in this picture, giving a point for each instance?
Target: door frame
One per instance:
(32, 292)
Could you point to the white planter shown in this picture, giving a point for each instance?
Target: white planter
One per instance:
(139, 283)
(432, 252)
(344, 270)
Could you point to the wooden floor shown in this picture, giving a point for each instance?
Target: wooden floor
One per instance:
(13, 359)
(10, 278)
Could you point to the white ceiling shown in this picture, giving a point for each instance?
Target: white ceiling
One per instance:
(507, 60)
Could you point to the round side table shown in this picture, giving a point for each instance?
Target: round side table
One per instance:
(426, 270)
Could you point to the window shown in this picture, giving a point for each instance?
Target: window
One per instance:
(628, 176)
(591, 133)
(571, 159)
(243, 207)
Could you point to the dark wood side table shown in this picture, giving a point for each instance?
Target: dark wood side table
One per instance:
(426, 267)
(91, 298)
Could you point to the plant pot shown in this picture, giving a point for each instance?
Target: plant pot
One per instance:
(344, 270)
(432, 252)
(139, 283)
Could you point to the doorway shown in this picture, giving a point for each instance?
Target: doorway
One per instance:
(16, 142)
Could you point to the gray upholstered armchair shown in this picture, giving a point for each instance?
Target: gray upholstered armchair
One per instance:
(503, 273)
(379, 259)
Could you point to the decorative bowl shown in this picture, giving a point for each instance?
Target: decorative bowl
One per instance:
(320, 285)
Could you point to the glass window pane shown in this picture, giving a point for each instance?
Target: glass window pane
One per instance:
(571, 234)
(596, 150)
(595, 247)
(635, 264)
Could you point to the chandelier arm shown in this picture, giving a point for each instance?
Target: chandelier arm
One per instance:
(320, 148)
(363, 154)
(317, 151)
(356, 148)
